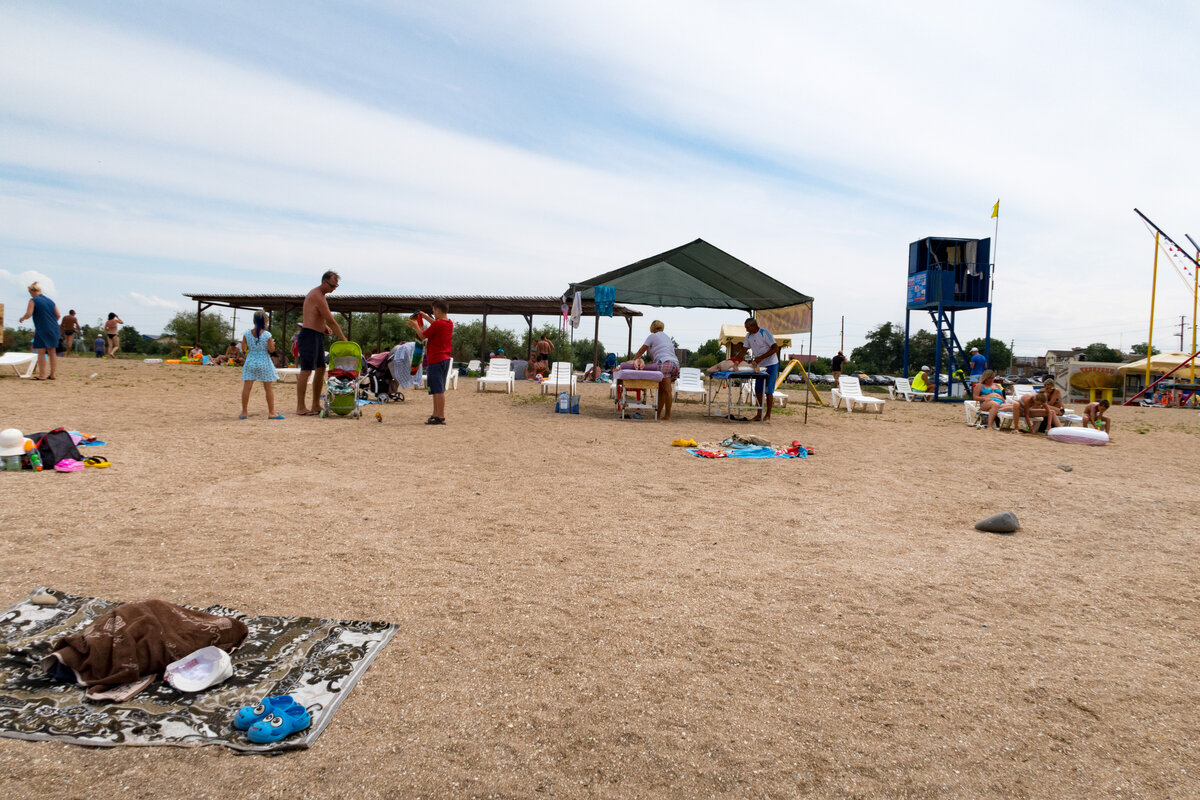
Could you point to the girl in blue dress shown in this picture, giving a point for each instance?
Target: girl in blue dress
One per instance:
(45, 331)
(259, 345)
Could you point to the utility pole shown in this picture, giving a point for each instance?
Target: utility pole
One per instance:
(1012, 354)
(1181, 326)
(842, 346)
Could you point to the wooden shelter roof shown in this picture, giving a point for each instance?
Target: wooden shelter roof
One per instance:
(406, 304)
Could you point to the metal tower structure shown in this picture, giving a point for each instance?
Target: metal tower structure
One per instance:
(946, 276)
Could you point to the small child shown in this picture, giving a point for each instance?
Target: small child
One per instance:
(258, 346)
(1093, 415)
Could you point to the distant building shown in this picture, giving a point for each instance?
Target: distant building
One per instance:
(1062, 357)
(1028, 366)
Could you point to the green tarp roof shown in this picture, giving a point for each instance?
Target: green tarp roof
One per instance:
(696, 275)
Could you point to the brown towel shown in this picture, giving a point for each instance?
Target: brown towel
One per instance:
(138, 639)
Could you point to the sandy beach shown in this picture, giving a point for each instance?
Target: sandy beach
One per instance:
(585, 610)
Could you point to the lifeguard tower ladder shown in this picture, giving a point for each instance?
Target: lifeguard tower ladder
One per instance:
(946, 276)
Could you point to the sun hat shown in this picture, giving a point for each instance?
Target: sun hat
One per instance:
(12, 442)
(924, 369)
(206, 667)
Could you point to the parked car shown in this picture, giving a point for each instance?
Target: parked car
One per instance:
(883, 380)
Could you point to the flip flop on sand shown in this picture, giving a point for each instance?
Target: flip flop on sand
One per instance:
(242, 416)
(277, 416)
(99, 462)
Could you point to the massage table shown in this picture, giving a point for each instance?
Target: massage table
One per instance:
(724, 380)
(637, 381)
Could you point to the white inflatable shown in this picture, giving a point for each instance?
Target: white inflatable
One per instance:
(1078, 435)
(152, 360)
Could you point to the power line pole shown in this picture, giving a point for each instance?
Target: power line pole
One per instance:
(1181, 327)
(842, 346)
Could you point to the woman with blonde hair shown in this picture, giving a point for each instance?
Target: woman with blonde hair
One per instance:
(45, 330)
(663, 359)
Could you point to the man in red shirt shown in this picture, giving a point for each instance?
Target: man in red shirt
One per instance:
(436, 331)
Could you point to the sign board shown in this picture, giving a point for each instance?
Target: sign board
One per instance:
(1085, 375)
(916, 289)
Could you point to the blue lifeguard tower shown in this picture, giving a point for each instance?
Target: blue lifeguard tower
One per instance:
(946, 276)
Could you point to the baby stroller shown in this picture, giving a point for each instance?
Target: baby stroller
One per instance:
(341, 382)
(377, 380)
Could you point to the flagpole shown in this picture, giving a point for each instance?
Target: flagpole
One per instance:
(995, 247)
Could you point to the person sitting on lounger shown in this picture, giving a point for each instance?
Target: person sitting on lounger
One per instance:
(1036, 406)
(920, 381)
(989, 394)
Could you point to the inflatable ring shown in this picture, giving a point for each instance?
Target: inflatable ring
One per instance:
(1078, 435)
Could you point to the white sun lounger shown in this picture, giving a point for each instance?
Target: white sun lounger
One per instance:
(499, 373)
(849, 391)
(21, 364)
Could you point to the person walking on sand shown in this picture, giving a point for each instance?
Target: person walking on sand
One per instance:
(836, 366)
(70, 329)
(437, 332)
(110, 334)
(766, 355)
(259, 345)
(45, 331)
(317, 322)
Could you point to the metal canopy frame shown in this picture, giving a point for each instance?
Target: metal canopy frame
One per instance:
(474, 305)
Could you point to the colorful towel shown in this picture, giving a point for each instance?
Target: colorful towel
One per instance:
(316, 661)
(750, 452)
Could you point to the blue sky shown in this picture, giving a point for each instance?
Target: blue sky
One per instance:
(152, 149)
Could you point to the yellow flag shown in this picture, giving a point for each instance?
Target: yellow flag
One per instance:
(995, 210)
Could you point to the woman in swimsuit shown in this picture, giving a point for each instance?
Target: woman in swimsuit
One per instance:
(110, 333)
(990, 397)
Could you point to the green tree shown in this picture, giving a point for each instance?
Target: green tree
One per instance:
(820, 366)
(999, 360)
(883, 351)
(1098, 351)
(215, 332)
(705, 355)
(584, 352)
(131, 340)
(1140, 349)
(465, 342)
(22, 338)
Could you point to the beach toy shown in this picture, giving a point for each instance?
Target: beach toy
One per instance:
(152, 361)
(172, 361)
(1078, 436)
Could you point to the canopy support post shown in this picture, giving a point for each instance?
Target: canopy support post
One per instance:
(596, 343)
(483, 335)
(528, 336)
(379, 332)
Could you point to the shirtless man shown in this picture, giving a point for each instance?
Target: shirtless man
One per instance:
(70, 329)
(1036, 406)
(316, 325)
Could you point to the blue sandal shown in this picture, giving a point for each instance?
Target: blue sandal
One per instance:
(246, 716)
(280, 724)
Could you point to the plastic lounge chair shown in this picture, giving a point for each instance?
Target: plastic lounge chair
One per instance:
(452, 377)
(499, 373)
(474, 366)
(560, 379)
(284, 372)
(849, 391)
(691, 381)
(903, 387)
(748, 395)
(977, 418)
(21, 364)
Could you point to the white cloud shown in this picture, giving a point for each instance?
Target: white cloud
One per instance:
(23, 279)
(150, 301)
(812, 142)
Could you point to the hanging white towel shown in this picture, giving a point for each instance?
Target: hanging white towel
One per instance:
(576, 310)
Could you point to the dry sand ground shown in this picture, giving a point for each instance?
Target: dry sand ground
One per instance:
(585, 610)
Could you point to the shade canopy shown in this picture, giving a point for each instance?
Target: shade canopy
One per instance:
(696, 275)
(1162, 362)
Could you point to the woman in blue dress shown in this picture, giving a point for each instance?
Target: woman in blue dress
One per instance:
(45, 330)
(258, 346)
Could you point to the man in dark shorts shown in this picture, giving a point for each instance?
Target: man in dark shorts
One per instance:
(437, 332)
(70, 329)
(544, 348)
(835, 366)
(317, 322)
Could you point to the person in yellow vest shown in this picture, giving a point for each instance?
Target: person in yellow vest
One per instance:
(920, 382)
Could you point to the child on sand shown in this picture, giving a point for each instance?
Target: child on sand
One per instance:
(1094, 416)
(259, 345)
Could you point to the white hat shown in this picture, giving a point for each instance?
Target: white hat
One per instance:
(974, 349)
(924, 369)
(12, 442)
(206, 667)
